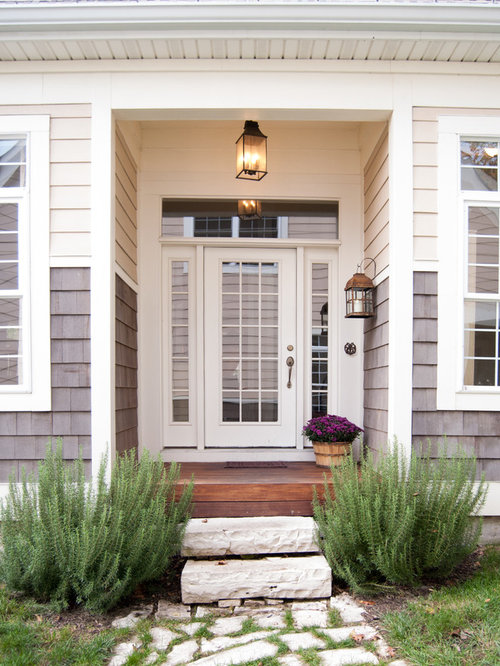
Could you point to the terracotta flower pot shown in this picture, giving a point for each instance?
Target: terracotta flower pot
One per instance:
(330, 453)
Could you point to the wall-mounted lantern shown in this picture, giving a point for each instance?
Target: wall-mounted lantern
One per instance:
(251, 153)
(249, 209)
(359, 294)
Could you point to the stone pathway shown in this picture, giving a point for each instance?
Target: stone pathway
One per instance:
(327, 632)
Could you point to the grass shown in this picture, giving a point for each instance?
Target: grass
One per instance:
(26, 639)
(453, 626)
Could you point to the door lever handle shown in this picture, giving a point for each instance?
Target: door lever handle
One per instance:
(289, 361)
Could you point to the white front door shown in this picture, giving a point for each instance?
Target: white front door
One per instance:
(250, 339)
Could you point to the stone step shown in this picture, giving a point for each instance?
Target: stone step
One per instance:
(206, 537)
(303, 577)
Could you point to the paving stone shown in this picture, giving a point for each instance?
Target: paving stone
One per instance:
(169, 611)
(162, 638)
(255, 603)
(250, 652)
(130, 620)
(224, 642)
(191, 628)
(344, 656)
(274, 602)
(302, 641)
(227, 625)
(151, 658)
(259, 610)
(256, 536)
(291, 660)
(304, 577)
(203, 611)
(349, 610)
(182, 653)
(310, 618)
(271, 621)
(309, 605)
(399, 662)
(122, 652)
(228, 603)
(343, 633)
(383, 650)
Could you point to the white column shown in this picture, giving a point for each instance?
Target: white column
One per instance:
(400, 266)
(102, 298)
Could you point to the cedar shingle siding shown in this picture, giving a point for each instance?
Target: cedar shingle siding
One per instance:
(24, 435)
(477, 432)
(126, 367)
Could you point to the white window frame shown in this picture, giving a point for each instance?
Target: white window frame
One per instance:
(452, 394)
(34, 394)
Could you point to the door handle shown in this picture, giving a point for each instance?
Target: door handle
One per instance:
(289, 362)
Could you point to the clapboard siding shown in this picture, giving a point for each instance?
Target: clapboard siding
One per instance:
(375, 366)
(376, 204)
(477, 432)
(125, 207)
(24, 435)
(126, 367)
(70, 134)
(425, 175)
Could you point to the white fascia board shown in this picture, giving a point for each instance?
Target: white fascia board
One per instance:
(344, 16)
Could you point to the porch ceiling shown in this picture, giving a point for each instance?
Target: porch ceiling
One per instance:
(367, 30)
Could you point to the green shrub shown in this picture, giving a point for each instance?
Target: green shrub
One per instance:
(399, 520)
(70, 541)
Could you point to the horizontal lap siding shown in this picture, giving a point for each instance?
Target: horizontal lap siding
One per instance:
(126, 367)
(125, 208)
(24, 435)
(425, 175)
(476, 432)
(376, 334)
(70, 134)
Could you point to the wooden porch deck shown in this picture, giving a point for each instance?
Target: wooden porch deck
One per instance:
(220, 491)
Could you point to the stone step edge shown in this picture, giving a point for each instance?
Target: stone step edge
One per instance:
(301, 577)
(268, 535)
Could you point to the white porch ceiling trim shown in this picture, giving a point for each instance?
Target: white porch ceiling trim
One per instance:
(250, 30)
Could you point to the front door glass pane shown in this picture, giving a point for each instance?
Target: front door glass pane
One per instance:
(250, 330)
(179, 337)
(319, 342)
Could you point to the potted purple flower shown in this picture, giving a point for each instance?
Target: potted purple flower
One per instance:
(332, 437)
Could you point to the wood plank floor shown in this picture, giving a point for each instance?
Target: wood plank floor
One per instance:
(255, 491)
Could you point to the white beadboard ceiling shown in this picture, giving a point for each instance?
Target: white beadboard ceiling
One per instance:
(363, 30)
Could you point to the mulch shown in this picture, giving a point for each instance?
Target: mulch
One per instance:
(393, 598)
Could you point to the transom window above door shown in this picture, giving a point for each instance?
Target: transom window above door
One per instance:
(279, 219)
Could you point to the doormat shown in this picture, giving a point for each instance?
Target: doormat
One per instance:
(256, 463)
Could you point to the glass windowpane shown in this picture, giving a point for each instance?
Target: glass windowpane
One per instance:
(230, 342)
(250, 406)
(269, 407)
(480, 315)
(180, 276)
(179, 309)
(269, 278)
(250, 341)
(230, 277)
(180, 341)
(180, 407)
(8, 246)
(12, 151)
(480, 343)
(250, 277)
(9, 341)
(250, 309)
(482, 153)
(483, 250)
(250, 374)
(269, 309)
(231, 309)
(9, 312)
(231, 406)
(269, 375)
(9, 275)
(483, 221)
(319, 404)
(9, 371)
(8, 217)
(230, 374)
(479, 179)
(269, 341)
(479, 372)
(180, 376)
(483, 280)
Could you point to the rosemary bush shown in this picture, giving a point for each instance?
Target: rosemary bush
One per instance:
(399, 520)
(69, 541)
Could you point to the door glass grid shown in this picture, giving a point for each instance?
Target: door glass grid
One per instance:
(250, 330)
(319, 342)
(179, 336)
(10, 298)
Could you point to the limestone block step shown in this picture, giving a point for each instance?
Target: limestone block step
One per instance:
(249, 536)
(304, 577)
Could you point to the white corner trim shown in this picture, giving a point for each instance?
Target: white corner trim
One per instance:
(451, 394)
(69, 262)
(400, 269)
(425, 265)
(126, 278)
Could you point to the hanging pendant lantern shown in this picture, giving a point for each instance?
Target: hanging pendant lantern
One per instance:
(249, 209)
(251, 153)
(359, 295)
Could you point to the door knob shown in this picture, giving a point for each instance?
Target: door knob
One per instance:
(289, 361)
